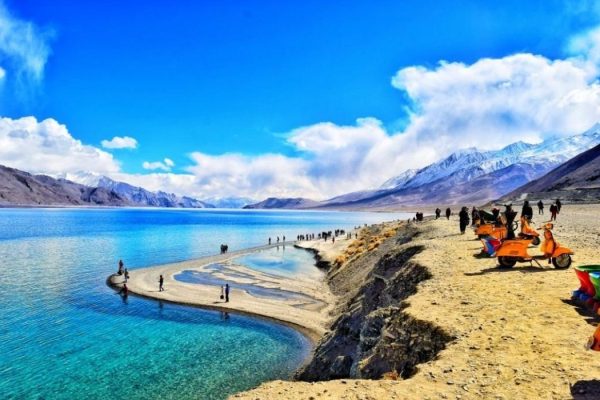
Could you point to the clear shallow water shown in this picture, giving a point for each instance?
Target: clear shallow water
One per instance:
(65, 335)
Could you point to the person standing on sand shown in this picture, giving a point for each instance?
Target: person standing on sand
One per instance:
(227, 293)
(121, 267)
(448, 213)
(438, 212)
(558, 206)
(464, 219)
(527, 211)
(126, 275)
(161, 281)
(540, 207)
(553, 212)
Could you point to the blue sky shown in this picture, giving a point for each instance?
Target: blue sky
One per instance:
(217, 77)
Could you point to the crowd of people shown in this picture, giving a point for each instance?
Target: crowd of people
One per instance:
(465, 218)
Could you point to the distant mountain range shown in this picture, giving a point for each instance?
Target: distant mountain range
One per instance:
(145, 198)
(19, 188)
(229, 202)
(288, 203)
(560, 167)
(576, 180)
(468, 176)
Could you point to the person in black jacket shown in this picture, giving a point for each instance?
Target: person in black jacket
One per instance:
(527, 211)
(448, 213)
(510, 216)
(540, 207)
(463, 216)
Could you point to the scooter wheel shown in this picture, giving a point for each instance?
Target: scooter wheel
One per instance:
(562, 262)
(535, 241)
(507, 262)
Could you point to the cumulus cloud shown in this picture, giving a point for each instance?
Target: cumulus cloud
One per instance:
(48, 147)
(24, 48)
(164, 165)
(488, 104)
(120, 142)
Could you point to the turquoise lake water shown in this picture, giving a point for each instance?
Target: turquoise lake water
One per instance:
(65, 335)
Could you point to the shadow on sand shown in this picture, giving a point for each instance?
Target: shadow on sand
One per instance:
(522, 270)
(586, 312)
(586, 390)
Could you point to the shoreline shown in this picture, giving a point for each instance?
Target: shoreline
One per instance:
(311, 320)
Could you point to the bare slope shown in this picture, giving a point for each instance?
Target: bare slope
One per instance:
(576, 180)
(23, 189)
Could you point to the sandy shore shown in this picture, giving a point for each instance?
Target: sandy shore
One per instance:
(517, 335)
(302, 302)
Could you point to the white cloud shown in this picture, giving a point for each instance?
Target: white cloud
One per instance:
(2, 73)
(24, 48)
(48, 147)
(488, 104)
(120, 142)
(164, 165)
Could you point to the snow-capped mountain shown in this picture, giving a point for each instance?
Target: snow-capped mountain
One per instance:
(468, 164)
(143, 197)
(133, 194)
(470, 176)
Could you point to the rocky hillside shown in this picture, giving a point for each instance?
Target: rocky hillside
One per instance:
(19, 188)
(576, 180)
(373, 337)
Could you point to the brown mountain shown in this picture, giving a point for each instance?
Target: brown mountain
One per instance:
(576, 180)
(19, 188)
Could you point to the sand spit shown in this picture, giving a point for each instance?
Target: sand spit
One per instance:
(301, 302)
(516, 333)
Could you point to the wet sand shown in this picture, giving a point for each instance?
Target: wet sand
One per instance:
(302, 302)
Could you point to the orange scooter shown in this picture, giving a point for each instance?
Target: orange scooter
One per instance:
(512, 251)
(527, 232)
(485, 230)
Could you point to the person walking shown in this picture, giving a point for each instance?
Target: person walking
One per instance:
(553, 212)
(227, 293)
(540, 205)
(558, 206)
(448, 213)
(161, 281)
(126, 272)
(463, 216)
(438, 212)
